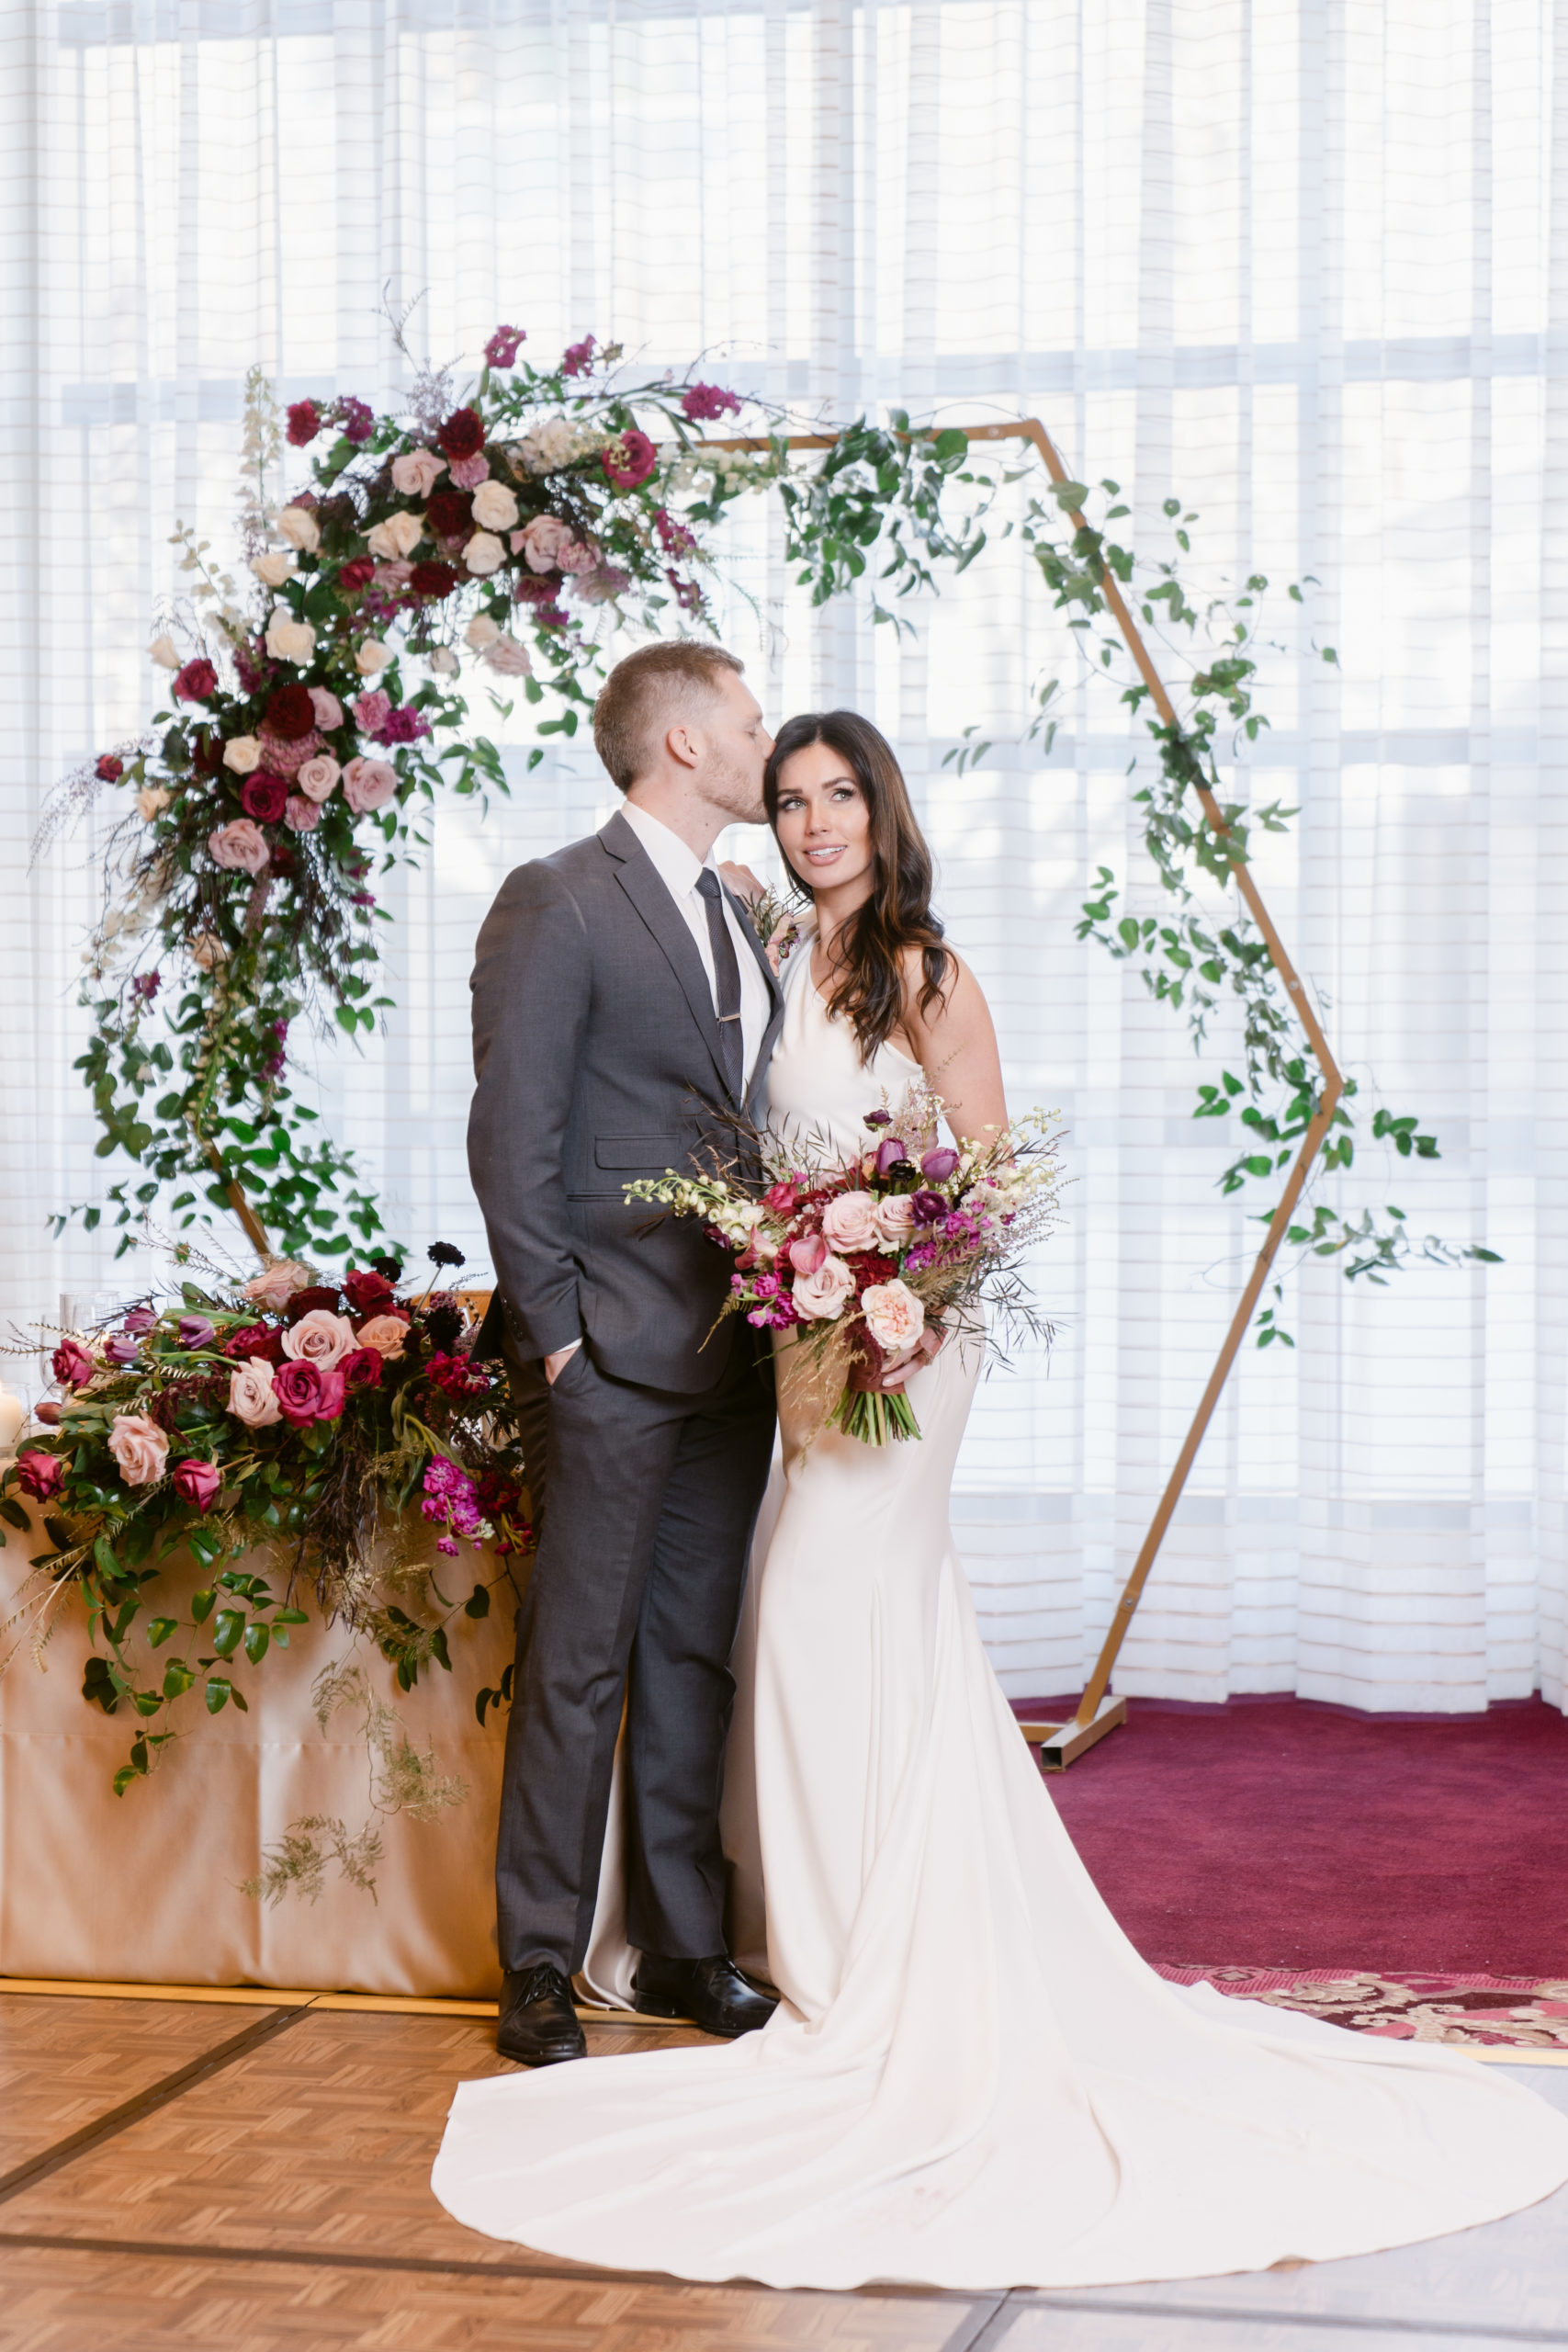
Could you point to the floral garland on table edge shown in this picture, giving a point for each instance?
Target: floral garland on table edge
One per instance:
(297, 1412)
(510, 527)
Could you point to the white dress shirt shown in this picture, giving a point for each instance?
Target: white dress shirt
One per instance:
(678, 867)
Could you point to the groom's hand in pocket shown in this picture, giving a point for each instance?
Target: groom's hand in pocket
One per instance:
(555, 1363)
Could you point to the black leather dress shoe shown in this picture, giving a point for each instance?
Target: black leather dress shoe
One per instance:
(712, 1993)
(538, 2025)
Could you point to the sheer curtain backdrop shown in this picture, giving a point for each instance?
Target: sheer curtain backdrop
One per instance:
(1305, 265)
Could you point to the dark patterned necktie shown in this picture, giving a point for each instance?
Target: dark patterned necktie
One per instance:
(727, 971)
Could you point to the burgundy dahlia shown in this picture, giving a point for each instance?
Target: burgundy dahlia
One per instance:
(433, 579)
(463, 434)
(290, 713)
(449, 512)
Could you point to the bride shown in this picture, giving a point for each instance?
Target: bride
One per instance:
(971, 2080)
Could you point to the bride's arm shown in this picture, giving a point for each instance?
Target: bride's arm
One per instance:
(954, 1042)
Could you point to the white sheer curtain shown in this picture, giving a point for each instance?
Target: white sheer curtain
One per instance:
(1305, 264)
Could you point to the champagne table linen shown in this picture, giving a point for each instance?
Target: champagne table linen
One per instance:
(145, 1888)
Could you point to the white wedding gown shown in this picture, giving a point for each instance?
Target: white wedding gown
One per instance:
(971, 2079)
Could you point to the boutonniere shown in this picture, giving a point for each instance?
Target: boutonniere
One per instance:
(778, 928)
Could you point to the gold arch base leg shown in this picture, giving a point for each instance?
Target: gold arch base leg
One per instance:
(1061, 1744)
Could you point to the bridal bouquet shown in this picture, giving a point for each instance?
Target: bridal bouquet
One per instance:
(876, 1261)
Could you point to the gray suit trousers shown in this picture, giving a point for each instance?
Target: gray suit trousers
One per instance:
(645, 1509)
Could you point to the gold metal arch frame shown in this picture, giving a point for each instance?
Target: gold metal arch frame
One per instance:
(1060, 1743)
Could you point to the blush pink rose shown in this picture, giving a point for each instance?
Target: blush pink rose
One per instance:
(386, 1334)
(139, 1448)
(327, 707)
(239, 846)
(895, 1221)
(318, 777)
(577, 557)
(369, 784)
(894, 1316)
(469, 472)
(197, 1482)
(251, 1400)
(542, 541)
(417, 471)
(822, 1297)
(301, 815)
(277, 1285)
(849, 1222)
(321, 1337)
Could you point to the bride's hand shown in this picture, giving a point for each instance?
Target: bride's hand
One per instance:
(742, 881)
(924, 1352)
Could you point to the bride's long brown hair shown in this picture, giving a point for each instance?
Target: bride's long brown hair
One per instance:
(868, 970)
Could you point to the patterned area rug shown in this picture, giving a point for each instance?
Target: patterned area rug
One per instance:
(1512, 2012)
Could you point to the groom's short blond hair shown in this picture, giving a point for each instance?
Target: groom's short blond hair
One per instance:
(644, 695)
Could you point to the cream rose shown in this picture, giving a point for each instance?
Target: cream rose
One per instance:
(242, 753)
(820, 1297)
(369, 784)
(240, 847)
(321, 1337)
(166, 653)
(151, 799)
(140, 1447)
(273, 568)
(481, 631)
(417, 472)
(895, 1221)
(206, 949)
(371, 658)
(386, 1334)
(495, 506)
(849, 1222)
(894, 1316)
(251, 1400)
(277, 1285)
(507, 656)
(289, 640)
(396, 537)
(301, 528)
(484, 554)
(443, 662)
(542, 542)
(317, 777)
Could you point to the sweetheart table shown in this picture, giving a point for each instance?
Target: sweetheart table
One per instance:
(146, 1887)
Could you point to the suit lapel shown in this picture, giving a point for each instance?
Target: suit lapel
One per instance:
(636, 873)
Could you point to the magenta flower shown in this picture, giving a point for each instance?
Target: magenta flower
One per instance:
(636, 461)
(356, 420)
(306, 1393)
(501, 351)
(939, 1165)
(110, 770)
(146, 985)
(928, 1208)
(197, 1482)
(889, 1152)
(578, 358)
(72, 1365)
(371, 710)
(196, 1332)
(704, 402)
(404, 725)
(688, 595)
(304, 423)
(195, 682)
(40, 1475)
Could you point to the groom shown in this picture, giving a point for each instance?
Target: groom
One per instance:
(621, 1003)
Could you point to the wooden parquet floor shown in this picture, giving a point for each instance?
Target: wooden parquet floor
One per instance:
(257, 2178)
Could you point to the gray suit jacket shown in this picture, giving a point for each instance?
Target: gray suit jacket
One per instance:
(596, 1049)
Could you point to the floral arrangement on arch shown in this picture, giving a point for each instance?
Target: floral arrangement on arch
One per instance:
(299, 1415)
(490, 537)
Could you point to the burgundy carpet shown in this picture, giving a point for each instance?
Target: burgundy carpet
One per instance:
(1282, 1834)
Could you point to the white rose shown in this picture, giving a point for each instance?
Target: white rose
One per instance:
(396, 537)
(484, 554)
(443, 662)
(495, 508)
(273, 568)
(507, 656)
(289, 640)
(301, 528)
(481, 631)
(371, 658)
(241, 753)
(165, 652)
(151, 799)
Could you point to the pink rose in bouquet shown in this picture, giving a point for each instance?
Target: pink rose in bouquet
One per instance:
(197, 1482)
(321, 1337)
(251, 1400)
(301, 815)
(368, 785)
(386, 1334)
(72, 1365)
(542, 540)
(277, 1285)
(895, 1221)
(327, 707)
(822, 1297)
(894, 1316)
(318, 777)
(139, 1448)
(370, 709)
(239, 846)
(417, 471)
(849, 1221)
